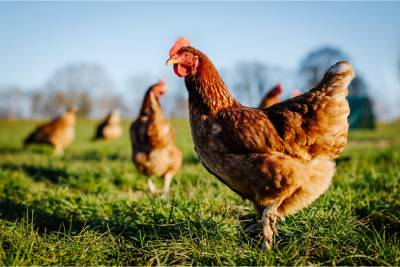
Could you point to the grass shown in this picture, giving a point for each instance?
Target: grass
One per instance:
(90, 207)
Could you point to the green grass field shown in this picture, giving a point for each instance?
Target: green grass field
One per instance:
(90, 207)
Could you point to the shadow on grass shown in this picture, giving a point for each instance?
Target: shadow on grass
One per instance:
(93, 155)
(190, 159)
(34, 148)
(386, 220)
(47, 221)
(11, 150)
(39, 173)
(10, 210)
(342, 160)
(61, 176)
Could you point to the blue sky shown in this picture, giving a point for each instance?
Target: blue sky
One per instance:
(134, 37)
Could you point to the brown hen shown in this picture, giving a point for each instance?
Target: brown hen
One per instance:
(154, 152)
(280, 158)
(272, 97)
(59, 133)
(110, 127)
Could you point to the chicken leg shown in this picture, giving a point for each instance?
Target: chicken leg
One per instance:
(58, 150)
(151, 187)
(269, 218)
(167, 183)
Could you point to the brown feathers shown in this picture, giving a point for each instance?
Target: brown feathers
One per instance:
(154, 152)
(59, 133)
(280, 157)
(110, 127)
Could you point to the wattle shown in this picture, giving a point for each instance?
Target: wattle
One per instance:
(181, 71)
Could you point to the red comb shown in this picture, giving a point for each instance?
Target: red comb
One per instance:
(160, 86)
(277, 90)
(279, 87)
(296, 93)
(179, 43)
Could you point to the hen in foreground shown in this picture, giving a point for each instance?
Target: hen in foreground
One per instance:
(272, 97)
(154, 152)
(110, 127)
(59, 133)
(280, 158)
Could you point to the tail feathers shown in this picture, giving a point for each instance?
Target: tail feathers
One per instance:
(337, 77)
(333, 109)
(28, 140)
(37, 137)
(32, 139)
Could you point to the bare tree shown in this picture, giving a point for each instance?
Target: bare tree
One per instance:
(85, 104)
(317, 62)
(358, 86)
(57, 101)
(180, 109)
(78, 84)
(251, 79)
(80, 77)
(11, 100)
(108, 103)
(37, 103)
(138, 84)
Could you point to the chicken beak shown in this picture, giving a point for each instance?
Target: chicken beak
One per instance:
(172, 61)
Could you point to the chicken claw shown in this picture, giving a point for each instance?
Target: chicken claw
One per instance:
(268, 221)
(165, 191)
(167, 183)
(151, 187)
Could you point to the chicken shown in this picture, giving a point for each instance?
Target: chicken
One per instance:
(59, 133)
(295, 93)
(272, 97)
(154, 152)
(281, 158)
(110, 127)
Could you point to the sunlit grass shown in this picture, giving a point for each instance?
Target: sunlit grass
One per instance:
(90, 207)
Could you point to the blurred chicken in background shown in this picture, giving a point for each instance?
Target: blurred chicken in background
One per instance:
(154, 152)
(58, 133)
(273, 96)
(110, 127)
(295, 93)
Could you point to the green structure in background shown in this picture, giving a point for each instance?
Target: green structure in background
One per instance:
(312, 69)
(361, 112)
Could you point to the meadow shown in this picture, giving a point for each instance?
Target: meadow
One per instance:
(90, 207)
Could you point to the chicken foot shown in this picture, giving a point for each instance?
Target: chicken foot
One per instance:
(269, 218)
(167, 184)
(58, 150)
(151, 186)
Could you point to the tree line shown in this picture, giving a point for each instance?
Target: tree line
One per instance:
(89, 86)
